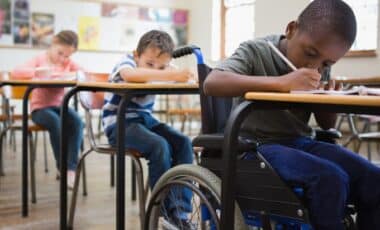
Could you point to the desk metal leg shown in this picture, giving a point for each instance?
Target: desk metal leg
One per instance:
(24, 167)
(229, 162)
(120, 165)
(63, 158)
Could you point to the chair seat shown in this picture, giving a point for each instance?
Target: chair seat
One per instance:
(32, 127)
(184, 112)
(108, 149)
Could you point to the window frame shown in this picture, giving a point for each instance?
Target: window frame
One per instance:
(223, 12)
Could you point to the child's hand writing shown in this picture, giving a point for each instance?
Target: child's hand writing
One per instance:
(301, 79)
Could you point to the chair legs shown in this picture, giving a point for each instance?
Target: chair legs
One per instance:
(140, 183)
(84, 177)
(112, 170)
(75, 189)
(133, 181)
(32, 168)
(2, 135)
(45, 153)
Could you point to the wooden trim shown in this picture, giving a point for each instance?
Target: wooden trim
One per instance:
(223, 11)
(361, 53)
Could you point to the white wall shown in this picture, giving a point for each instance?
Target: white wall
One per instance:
(90, 60)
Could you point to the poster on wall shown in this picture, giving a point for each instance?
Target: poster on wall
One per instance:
(42, 29)
(5, 22)
(89, 33)
(21, 31)
(121, 11)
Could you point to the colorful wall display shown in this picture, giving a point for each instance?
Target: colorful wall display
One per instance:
(42, 29)
(100, 26)
(5, 22)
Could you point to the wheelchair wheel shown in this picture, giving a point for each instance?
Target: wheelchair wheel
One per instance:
(204, 212)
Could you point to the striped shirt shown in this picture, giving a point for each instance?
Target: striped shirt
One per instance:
(140, 106)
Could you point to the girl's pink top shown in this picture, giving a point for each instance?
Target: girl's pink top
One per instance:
(43, 97)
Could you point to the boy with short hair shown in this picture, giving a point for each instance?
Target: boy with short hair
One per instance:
(330, 174)
(160, 144)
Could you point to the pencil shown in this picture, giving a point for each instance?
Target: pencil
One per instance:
(278, 52)
(293, 67)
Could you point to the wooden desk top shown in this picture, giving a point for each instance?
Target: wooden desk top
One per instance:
(39, 82)
(315, 98)
(373, 80)
(109, 85)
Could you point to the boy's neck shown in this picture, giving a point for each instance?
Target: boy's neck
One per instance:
(283, 45)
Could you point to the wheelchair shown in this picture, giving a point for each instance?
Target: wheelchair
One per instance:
(262, 200)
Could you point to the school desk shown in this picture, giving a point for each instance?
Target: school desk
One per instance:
(128, 90)
(275, 101)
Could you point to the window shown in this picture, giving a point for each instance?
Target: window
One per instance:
(366, 12)
(236, 25)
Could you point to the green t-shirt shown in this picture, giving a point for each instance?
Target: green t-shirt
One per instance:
(256, 58)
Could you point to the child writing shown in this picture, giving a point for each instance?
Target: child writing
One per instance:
(160, 144)
(46, 102)
(331, 175)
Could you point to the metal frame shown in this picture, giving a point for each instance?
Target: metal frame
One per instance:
(25, 102)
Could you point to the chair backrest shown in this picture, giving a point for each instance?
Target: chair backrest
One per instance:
(214, 110)
(91, 101)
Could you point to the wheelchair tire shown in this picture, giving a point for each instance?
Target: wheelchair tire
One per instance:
(204, 184)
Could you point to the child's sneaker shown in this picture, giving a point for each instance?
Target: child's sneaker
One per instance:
(70, 179)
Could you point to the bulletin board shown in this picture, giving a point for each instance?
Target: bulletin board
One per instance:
(100, 26)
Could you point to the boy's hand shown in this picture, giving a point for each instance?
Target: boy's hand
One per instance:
(302, 79)
(184, 75)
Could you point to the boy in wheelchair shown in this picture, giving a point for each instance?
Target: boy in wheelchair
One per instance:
(331, 175)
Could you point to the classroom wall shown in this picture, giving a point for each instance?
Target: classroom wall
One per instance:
(90, 60)
(271, 16)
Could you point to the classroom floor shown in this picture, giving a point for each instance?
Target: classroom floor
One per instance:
(96, 211)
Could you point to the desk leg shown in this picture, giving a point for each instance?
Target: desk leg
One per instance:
(63, 157)
(120, 166)
(229, 162)
(24, 167)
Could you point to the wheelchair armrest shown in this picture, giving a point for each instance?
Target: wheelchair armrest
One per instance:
(329, 136)
(215, 141)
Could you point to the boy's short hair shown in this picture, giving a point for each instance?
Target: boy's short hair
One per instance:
(332, 16)
(157, 39)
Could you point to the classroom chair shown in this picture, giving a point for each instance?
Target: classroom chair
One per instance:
(366, 134)
(14, 124)
(263, 199)
(92, 102)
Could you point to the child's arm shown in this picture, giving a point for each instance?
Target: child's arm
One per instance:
(239, 84)
(26, 70)
(142, 75)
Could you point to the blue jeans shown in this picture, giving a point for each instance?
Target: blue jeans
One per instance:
(332, 176)
(163, 147)
(50, 119)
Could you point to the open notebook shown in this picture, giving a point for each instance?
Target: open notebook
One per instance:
(358, 90)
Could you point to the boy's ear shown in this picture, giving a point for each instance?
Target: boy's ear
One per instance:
(135, 55)
(291, 29)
